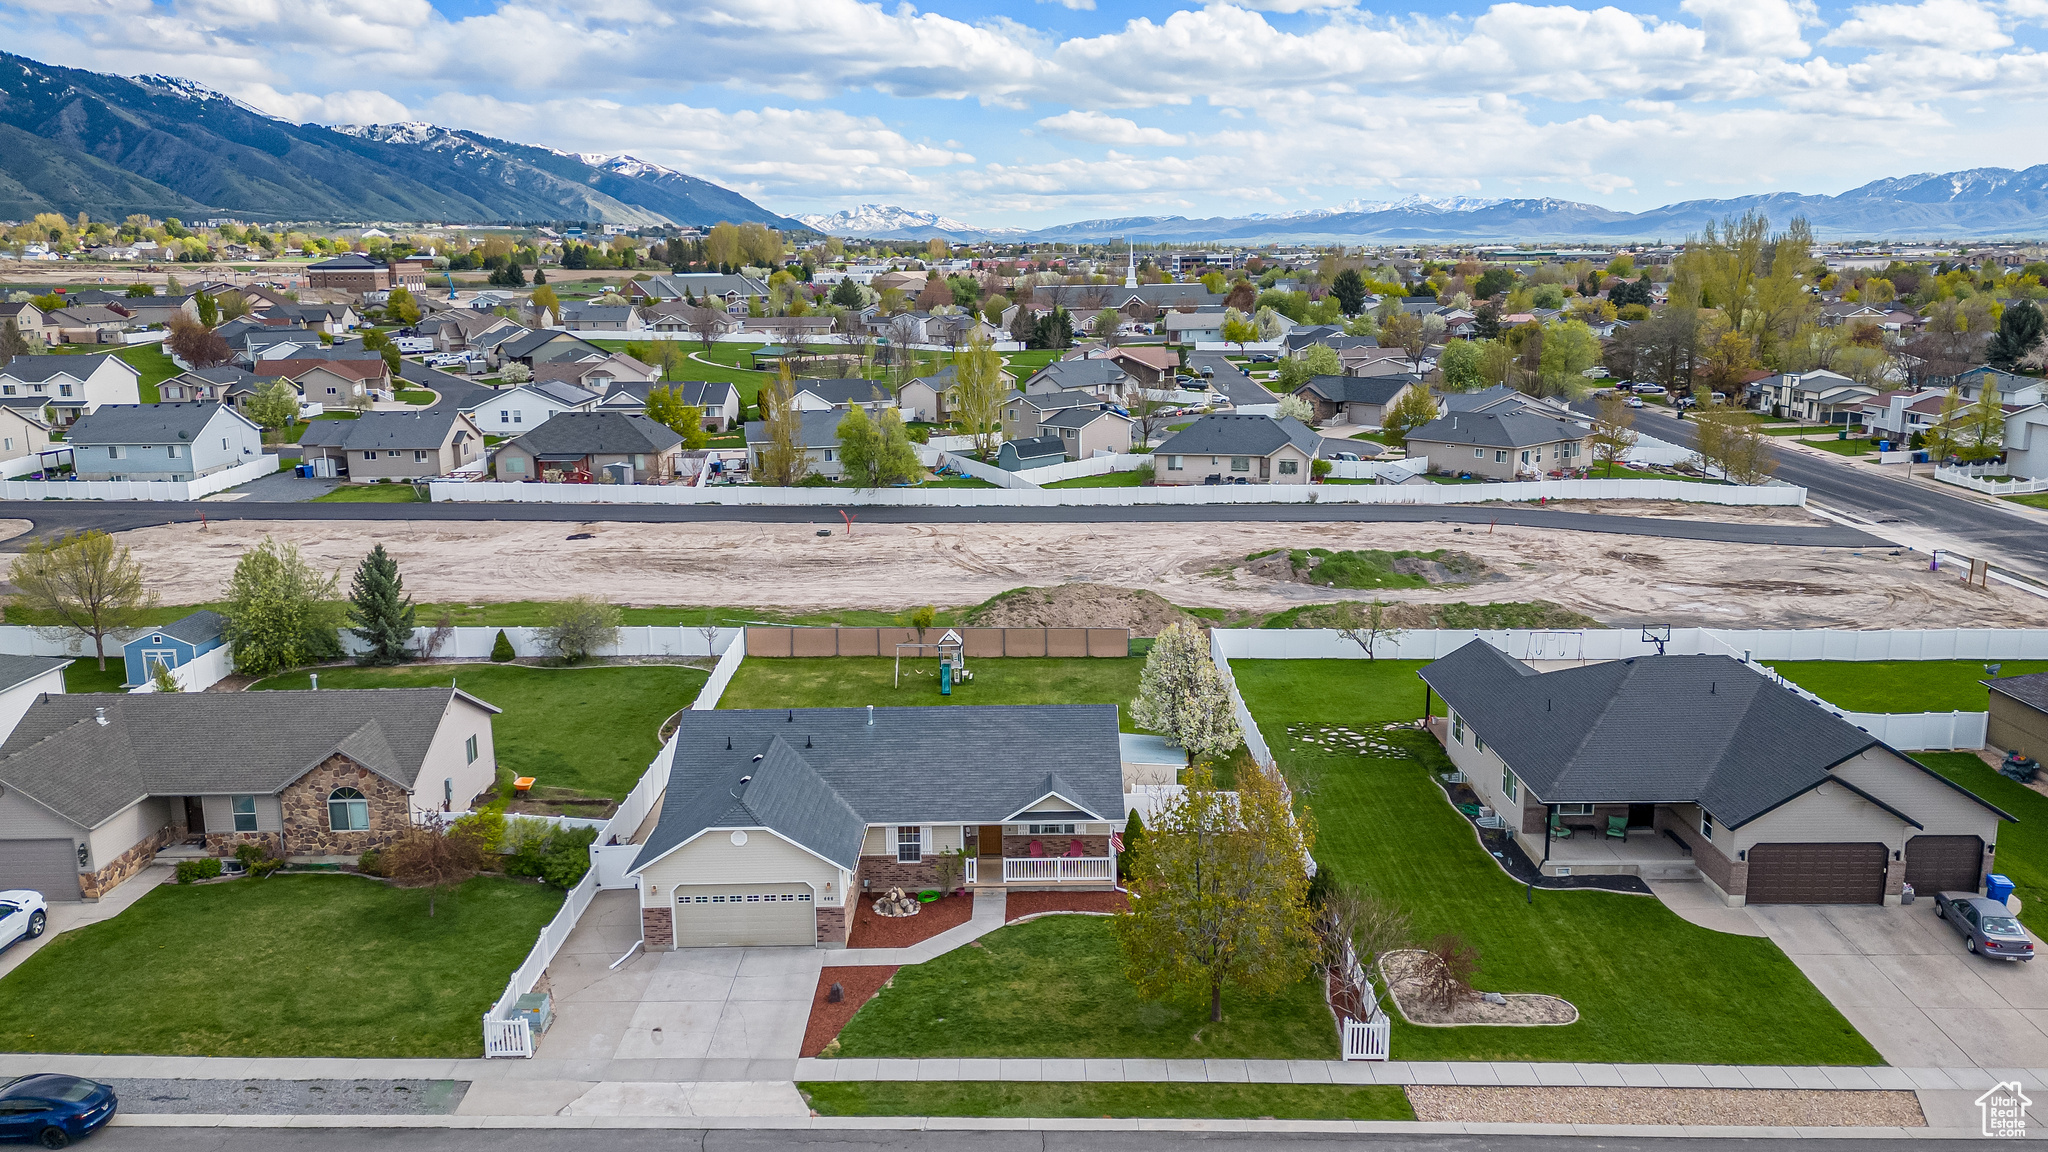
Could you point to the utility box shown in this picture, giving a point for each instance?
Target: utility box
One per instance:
(536, 1009)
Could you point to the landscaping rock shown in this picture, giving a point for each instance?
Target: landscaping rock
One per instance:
(1403, 971)
(1764, 1107)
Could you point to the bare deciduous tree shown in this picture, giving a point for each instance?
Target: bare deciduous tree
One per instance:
(86, 583)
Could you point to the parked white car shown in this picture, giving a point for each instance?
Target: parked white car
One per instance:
(23, 915)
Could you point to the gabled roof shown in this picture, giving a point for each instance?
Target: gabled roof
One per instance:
(170, 423)
(818, 430)
(211, 743)
(1356, 389)
(824, 774)
(194, 628)
(427, 428)
(1708, 730)
(851, 390)
(1067, 374)
(36, 369)
(1497, 430)
(1230, 434)
(1079, 417)
(538, 338)
(18, 670)
(2031, 690)
(597, 433)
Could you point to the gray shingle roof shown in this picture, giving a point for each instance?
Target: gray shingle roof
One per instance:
(826, 773)
(851, 390)
(33, 369)
(1357, 389)
(1079, 417)
(2031, 690)
(382, 431)
(171, 423)
(1497, 430)
(1707, 730)
(210, 743)
(1078, 374)
(196, 628)
(820, 430)
(1033, 448)
(15, 670)
(594, 433)
(1228, 434)
(530, 342)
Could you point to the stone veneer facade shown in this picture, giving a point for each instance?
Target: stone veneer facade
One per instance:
(96, 884)
(658, 929)
(307, 831)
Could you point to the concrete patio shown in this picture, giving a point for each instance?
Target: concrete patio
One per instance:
(1646, 853)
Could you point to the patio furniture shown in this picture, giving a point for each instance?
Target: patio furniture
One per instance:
(1469, 809)
(1037, 849)
(1074, 848)
(1558, 831)
(1617, 828)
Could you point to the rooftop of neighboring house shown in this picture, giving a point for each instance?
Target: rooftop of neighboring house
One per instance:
(1092, 373)
(579, 434)
(1497, 430)
(1356, 389)
(39, 369)
(170, 423)
(1158, 359)
(817, 430)
(850, 390)
(2031, 690)
(1052, 401)
(1233, 434)
(1079, 416)
(428, 429)
(675, 284)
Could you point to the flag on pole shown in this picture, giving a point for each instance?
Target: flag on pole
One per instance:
(1116, 842)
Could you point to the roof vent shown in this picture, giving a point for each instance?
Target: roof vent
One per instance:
(99, 717)
(748, 779)
(757, 757)
(792, 717)
(728, 743)
(871, 715)
(807, 741)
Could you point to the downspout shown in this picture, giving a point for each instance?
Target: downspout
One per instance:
(1549, 814)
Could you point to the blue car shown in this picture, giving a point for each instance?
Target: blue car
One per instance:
(54, 1110)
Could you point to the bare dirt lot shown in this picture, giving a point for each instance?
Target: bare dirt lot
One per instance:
(1618, 580)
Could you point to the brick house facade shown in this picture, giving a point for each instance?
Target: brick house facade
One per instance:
(94, 885)
(308, 830)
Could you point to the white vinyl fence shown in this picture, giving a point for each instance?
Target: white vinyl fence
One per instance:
(1026, 497)
(1254, 740)
(199, 673)
(138, 489)
(504, 1035)
(1987, 483)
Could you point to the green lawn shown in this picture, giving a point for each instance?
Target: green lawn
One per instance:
(2022, 847)
(1801, 429)
(1650, 988)
(155, 365)
(1055, 987)
(1090, 1101)
(1853, 446)
(418, 395)
(1022, 364)
(580, 731)
(337, 966)
(2031, 499)
(84, 674)
(371, 494)
(1131, 479)
(853, 681)
(1901, 685)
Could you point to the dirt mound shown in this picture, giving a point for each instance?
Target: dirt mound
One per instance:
(1370, 568)
(1080, 606)
(1486, 617)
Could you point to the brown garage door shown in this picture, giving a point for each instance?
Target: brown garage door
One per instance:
(1944, 863)
(1816, 874)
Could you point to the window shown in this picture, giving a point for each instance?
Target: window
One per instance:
(419, 456)
(828, 455)
(519, 415)
(1049, 829)
(469, 750)
(1457, 728)
(1290, 467)
(176, 451)
(504, 416)
(1479, 453)
(7, 442)
(369, 455)
(1525, 457)
(1706, 824)
(1478, 742)
(514, 464)
(348, 810)
(1173, 463)
(1500, 457)
(245, 812)
(7, 390)
(223, 441)
(114, 452)
(1240, 463)
(63, 389)
(1508, 783)
(909, 844)
(1574, 809)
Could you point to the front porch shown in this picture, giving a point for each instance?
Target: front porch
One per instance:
(1034, 871)
(1647, 853)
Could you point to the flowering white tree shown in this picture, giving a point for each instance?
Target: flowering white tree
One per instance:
(1181, 695)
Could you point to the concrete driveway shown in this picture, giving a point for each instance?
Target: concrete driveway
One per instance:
(690, 1015)
(1902, 978)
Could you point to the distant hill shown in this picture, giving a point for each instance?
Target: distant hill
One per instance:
(74, 141)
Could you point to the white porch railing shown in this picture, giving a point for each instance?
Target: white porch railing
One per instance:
(1058, 869)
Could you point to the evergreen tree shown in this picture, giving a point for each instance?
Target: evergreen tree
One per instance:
(379, 612)
(1349, 288)
(501, 649)
(540, 276)
(2018, 331)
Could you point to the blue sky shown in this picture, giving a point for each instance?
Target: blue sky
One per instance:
(1033, 113)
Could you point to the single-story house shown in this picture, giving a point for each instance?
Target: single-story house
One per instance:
(1202, 327)
(216, 384)
(842, 395)
(590, 447)
(678, 316)
(1031, 452)
(726, 288)
(71, 386)
(719, 401)
(596, 375)
(88, 324)
(775, 821)
(22, 680)
(1088, 430)
(1364, 400)
(1701, 765)
(624, 319)
(418, 445)
(512, 411)
(546, 346)
(94, 785)
(175, 442)
(148, 311)
(818, 436)
(172, 646)
(2018, 720)
(1500, 446)
(1227, 447)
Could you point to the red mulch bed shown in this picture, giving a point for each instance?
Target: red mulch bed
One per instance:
(1022, 904)
(872, 931)
(858, 984)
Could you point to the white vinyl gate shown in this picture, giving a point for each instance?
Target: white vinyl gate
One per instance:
(728, 915)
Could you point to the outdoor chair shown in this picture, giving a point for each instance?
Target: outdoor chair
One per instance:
(1074, 848)
(1037, 850)
(1558, 831)
(1617, 828)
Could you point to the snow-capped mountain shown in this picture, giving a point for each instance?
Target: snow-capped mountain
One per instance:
(891, 222)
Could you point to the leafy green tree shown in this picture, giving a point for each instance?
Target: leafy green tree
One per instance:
(1569, 348)
(1055, 329)
(1492, 282)
(1105, 325)
(378, 342)
(1182, 696)
(1461, 366)
(846, 294)
(137, 291)
(275, 406)
(85, 583)
(2018, 331)
(209, 311)
(1238, 329)
(876, 452)
(1984, 425)
(665, 407)
(400, 308)
(1349, 289)
(279, 612)
(379, 612)
(1322, 360)
(1415, 408)
(12, 341)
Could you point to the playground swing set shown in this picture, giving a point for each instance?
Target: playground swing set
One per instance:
(952, 660)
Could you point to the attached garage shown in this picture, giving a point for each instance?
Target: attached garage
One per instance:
(47, 866)
(728, 915)
(1944, 863)
(1817, 873)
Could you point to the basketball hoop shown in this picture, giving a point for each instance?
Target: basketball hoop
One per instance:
(1658, 634)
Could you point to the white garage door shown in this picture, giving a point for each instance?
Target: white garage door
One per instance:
(714, 915)
(48, 866)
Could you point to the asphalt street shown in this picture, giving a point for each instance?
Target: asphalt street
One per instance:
(1873, 495)
(855, 1140)
(60, 516)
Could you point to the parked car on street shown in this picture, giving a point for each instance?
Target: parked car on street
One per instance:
(1988, 927)
(1635, 401)
(53, 1109)
(23, 915)
(1263, 358)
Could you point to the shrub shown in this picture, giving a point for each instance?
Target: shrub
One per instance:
(501, 649)
(552, 853)
(371, 863)
(191, 870)
(488, 826)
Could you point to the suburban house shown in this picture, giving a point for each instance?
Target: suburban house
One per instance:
(1088, 430)
(1194, 327)
(94, 785)
(88, 324)
(1816, 397)
(596, 375)
(25, 436)
(1032, 452)
(818, 436)
(1099, 377)
(172, 646)
(775, 821)
(513, 411)
(71, 386)
(624, 319)
(2018, 720)
(419, 445)
(1363, 400)
(1022, 413)
(460, 330)
(2026, 442)
(175, 441)
(28, 319)
(2012, 389)
(842, 395)
(215, 384)
(1227, 448)
(592, 447)
(727, 289)
(719, 401)
(928, 398)
(1500, 445)
(333, 319)
(23, 679)
(545, 346)
(694, 319)
(149, 311)
(1701, 766)
(1148, 367)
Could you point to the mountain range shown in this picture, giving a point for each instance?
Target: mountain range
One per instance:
(73, 141)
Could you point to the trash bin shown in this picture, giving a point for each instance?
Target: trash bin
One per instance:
(1905, 894)
(1843, 434)
(1997, 887)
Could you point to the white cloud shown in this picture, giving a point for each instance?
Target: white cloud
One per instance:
(1075, 5)
(1956, 25)
(1096, 128)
